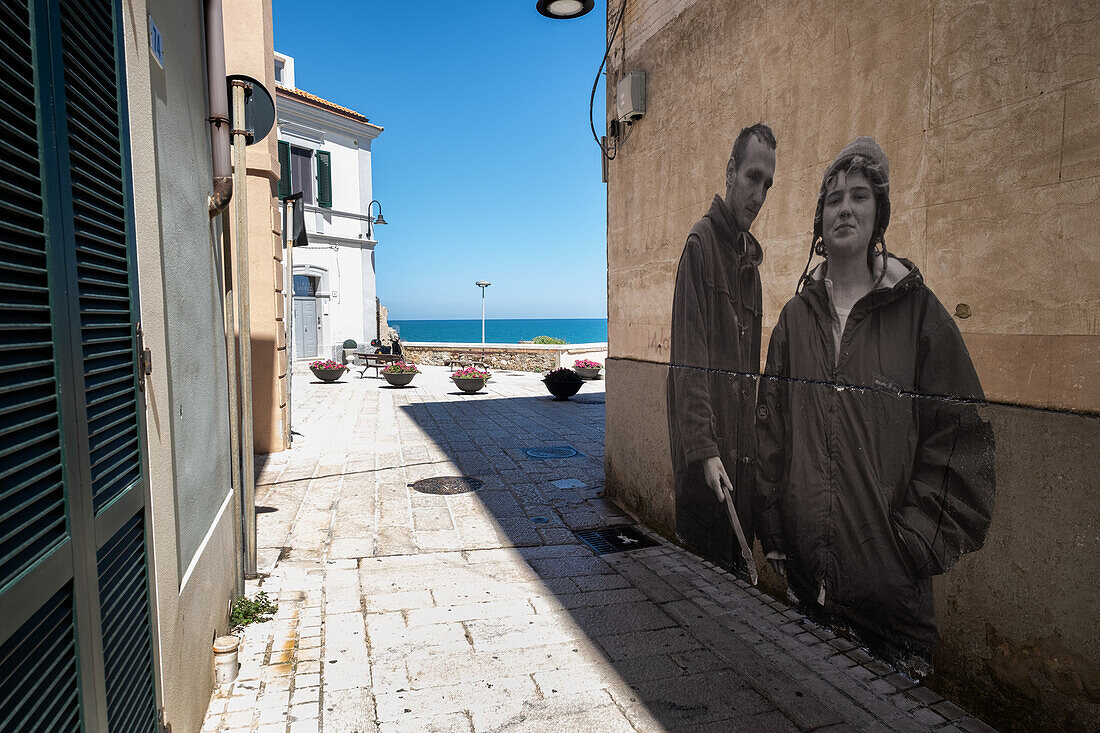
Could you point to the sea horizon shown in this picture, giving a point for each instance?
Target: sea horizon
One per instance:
(501, 330)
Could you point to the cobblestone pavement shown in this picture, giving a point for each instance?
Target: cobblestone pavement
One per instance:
(409, 611)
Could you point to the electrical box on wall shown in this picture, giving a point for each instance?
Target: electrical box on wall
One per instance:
(630, 97)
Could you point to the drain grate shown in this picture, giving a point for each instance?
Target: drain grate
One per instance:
(552, 451)
(446, 485)
(619, 538)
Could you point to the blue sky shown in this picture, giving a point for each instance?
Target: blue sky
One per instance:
(487, 168)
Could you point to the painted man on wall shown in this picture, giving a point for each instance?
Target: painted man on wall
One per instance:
(715, 355)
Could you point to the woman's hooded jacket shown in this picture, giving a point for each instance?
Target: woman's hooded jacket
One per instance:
(875, 471)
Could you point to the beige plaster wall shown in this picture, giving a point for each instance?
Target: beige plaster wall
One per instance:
(191, 587)
(250, 49)
(990, 115)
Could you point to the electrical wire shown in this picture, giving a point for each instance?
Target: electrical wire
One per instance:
(596, 81)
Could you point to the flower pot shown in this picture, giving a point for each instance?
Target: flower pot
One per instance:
(588, 372)
(469, 385)
(399, 379)
(328, 375)
(562, 389)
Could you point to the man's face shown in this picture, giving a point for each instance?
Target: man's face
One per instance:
(748, 181)
(848, 217)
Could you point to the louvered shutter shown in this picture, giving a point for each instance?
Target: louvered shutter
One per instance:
(284, 169)
(39, 679)
(324, 179)
(73, 573)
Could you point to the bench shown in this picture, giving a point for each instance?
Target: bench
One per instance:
(375, 361)
(465, 360)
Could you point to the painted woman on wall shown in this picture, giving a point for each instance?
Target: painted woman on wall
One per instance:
(875, 471)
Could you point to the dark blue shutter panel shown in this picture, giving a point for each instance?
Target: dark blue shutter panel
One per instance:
(38, 689)
(124, 615)
(324, 179)
(102, 249)
(284, 169)
(32, 495)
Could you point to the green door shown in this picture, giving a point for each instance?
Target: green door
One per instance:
(76, 645)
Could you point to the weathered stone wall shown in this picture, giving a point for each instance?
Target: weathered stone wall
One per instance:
(990, 115)
(532, 358)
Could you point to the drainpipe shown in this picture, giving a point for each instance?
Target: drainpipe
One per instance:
(223, 192)
(219, 108)
(244, 325)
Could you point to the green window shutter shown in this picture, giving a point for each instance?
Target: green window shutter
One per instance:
(324, 179)
(284, 169)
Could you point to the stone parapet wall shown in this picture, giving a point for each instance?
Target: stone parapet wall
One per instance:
(512, 357)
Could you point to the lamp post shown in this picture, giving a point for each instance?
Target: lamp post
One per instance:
(561, 9)
(483, 284)
(371, 220)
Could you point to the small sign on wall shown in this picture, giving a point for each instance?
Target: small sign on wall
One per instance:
(156, 43)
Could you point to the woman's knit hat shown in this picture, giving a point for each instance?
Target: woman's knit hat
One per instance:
(863, 147)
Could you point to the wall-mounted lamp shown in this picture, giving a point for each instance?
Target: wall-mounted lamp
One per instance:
(371, 220)
(564, 9)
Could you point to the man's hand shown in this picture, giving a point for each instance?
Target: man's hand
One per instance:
(714, 473)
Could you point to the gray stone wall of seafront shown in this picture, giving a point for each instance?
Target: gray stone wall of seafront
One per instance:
(519, 358)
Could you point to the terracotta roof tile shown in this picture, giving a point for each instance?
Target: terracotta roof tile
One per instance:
(315, 101)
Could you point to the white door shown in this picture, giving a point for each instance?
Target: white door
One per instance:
(307, 324)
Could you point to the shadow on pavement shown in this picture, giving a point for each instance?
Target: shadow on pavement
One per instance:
(660, 655)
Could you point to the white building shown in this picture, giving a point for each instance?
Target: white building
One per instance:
(325, 152)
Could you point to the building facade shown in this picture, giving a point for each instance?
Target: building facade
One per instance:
(117, 537)
(325, 153)
(987, 112)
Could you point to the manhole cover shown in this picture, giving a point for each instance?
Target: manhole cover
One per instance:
(446, 485)
(619, 538)
(551, 451)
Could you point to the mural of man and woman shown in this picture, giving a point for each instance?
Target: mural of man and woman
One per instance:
(858, 457)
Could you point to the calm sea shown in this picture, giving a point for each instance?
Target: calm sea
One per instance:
(504, 330)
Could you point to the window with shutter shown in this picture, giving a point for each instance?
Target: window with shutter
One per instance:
(324, 179)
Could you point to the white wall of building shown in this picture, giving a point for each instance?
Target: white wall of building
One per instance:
(341, 251)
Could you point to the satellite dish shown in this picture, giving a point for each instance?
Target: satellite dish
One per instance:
(259, 108)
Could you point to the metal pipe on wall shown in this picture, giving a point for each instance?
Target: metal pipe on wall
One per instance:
(219, 108)
(248, 486)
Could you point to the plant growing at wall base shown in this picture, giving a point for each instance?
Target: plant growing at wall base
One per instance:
(250, 610)
(351, 344)
(548, 340)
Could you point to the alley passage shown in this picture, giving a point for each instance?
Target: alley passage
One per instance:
(481, 610)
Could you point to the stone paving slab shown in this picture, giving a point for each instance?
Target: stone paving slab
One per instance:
(481, 611)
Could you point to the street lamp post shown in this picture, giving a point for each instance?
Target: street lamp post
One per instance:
(371, 220)
(483, 284)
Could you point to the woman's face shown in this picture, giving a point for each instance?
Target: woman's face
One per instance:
(848, 218)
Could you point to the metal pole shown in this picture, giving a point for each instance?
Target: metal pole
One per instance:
(229, 315)
(248, 486)
(288, 243)
(483, 315)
